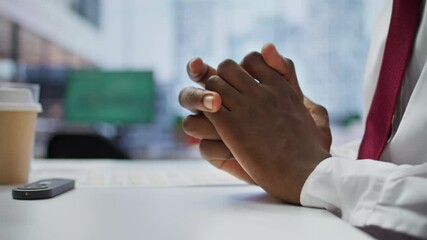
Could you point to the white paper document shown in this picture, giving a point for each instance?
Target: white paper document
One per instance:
(137, 173)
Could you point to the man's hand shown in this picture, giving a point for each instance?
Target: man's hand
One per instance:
(266, 126)
(212, 148)
(286, 68)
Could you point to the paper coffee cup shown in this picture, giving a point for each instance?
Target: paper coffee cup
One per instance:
(18, 113)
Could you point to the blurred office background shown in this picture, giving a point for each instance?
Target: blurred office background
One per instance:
(139, 50)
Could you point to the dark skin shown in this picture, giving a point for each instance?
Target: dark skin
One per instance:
(291, 135)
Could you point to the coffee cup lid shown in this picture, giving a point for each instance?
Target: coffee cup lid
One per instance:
(18, 99)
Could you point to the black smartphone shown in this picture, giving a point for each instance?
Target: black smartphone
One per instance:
(46, 188)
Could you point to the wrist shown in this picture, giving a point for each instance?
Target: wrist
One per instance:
(297, 178)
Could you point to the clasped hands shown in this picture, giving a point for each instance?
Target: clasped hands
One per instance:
(255, 123)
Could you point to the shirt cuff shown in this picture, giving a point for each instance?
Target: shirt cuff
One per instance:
(346, 186)
(317, 181)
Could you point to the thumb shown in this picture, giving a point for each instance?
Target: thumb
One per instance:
(282, 65)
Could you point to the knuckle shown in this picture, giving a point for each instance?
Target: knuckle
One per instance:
(251, 58)
(322, 109)
(324, 112)
(212, 83)
(225, 64)
(188, 124)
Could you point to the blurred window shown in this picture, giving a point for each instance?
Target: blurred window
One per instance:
(327, 39)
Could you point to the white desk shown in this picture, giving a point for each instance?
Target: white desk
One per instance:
(182, 212)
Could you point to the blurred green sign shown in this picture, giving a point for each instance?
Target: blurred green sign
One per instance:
(119, 97)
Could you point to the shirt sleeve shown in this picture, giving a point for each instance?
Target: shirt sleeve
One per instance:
(371, 193)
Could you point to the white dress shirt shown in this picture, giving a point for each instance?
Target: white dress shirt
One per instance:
(390, 194)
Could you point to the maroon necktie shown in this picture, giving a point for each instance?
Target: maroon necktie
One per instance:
(398, 49)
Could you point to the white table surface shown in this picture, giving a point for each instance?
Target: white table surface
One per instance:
(228, 211)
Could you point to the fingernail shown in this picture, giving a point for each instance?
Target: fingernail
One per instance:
(208, 102)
